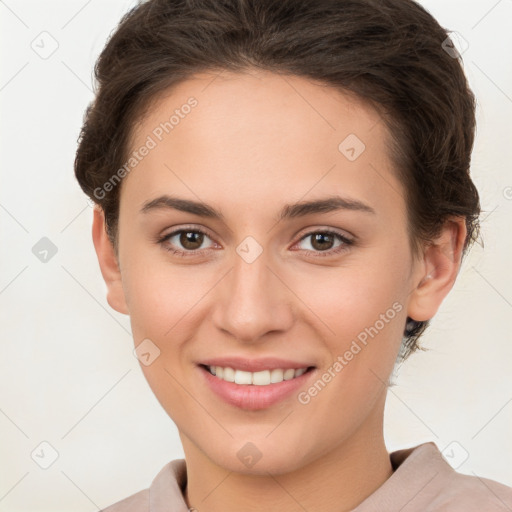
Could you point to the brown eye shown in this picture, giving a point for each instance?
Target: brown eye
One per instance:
(184, 242)
(191, 240)
(323, 243)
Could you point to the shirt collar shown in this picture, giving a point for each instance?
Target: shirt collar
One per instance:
(166, 491)
(418, 471)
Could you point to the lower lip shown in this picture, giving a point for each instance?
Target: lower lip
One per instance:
(253, 397)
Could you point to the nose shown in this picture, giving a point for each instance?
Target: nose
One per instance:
(253, 300)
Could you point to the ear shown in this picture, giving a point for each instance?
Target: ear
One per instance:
(438, 270)
(108, 263)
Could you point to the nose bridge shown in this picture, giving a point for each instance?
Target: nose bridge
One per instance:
(253, 301)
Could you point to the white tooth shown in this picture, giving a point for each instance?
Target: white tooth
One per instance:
(229, 374)
(242, 377)
(261, 378)
(289, 374)
(276, 375)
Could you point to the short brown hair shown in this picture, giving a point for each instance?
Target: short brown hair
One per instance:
(390, 53)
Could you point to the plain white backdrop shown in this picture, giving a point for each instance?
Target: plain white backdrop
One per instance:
(68, 376)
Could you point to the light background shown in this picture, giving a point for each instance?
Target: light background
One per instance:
(68, 375)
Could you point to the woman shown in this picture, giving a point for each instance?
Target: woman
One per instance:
(227, 143)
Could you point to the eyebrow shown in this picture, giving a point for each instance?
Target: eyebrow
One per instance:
(289, 211)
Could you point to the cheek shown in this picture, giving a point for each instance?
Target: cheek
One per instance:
(365, 323)
(166, 300)
(160, 300)
(164, 303)
(347, 300)
(361, 313)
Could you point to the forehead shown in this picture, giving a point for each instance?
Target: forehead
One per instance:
(240, 137)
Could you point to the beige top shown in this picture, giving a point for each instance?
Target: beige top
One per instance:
(422, 481)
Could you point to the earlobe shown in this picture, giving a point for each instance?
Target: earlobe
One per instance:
(107, 260)
(441, 264)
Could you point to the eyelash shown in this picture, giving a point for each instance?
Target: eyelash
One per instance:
(331, 252)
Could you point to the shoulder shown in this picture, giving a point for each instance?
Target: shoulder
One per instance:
(434, 486)
(467, 493)
(138, 502)
(167, 487)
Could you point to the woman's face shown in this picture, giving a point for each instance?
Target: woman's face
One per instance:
(260, 284)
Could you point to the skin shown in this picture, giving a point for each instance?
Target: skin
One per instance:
(254, 142)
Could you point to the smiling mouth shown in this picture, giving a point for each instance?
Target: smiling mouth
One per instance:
(261, 378)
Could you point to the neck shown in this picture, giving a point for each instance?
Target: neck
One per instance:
(336, 481)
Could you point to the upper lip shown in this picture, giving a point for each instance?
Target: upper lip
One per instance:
(254, 365)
